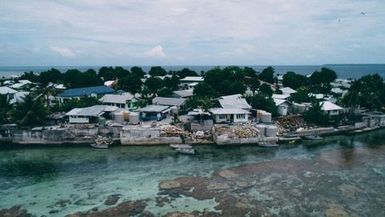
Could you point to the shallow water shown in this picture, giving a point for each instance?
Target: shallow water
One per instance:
(343, 175)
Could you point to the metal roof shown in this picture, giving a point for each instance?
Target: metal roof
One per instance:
(6, 90)
(288, 90)
(192, 79)
(329, 106)
(86, 91)
(168, 101)
(154, 108)
(234, 101)
(115, 98)
(184, 93)
(226, 111)
(93, 111)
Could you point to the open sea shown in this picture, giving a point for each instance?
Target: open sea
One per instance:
(340, 176)
(343, 70)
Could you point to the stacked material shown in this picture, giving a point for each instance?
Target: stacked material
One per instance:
(100, 140)
(240, 131)
(171, 131)
(291, 124)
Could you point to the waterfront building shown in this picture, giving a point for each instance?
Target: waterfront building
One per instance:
(90, 114)
(77, 93)
(331, 108)
(283, 106)
(154, 112)
(230, 115)
(235, 101)
(124, 101)
(176, 104)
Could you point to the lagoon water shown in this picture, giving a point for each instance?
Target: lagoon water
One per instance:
(341, 175)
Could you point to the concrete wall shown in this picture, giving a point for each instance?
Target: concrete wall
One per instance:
(145, 136)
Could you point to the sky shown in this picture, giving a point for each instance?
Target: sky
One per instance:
(191, 32)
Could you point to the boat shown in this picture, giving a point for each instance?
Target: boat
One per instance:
(175, 146)
(290, 140)
(312, 137)
(99, 146)
(188, 151)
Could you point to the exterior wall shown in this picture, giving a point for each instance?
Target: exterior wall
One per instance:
(333, 112)
(283, 109)
(145, 136)
(243, 119)
(231, 118)
(78, 120)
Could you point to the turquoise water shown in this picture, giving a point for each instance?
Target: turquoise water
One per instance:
(340, 174)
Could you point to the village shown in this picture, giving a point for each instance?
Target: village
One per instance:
(262, 108)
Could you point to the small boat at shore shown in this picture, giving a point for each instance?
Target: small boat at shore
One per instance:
(290, 140)
(363, 130)
(175, 146)
(187, 151)
(99, 146)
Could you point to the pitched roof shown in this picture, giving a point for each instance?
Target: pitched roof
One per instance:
(115, 98)
(288, 90)
(192, 79)
(168, 101)
(6, 90)
(234, 101)
(86, 91)
(184, 93)
(93, 111)
(154, 108)
(329, 106)
(279, 101)
(280, 96)
(225, 111)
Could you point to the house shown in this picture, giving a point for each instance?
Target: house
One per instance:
(154, 112)
(283, 106)
(234, 101)
(89, 114)
(183, 93)
(230, 115)
(9, 92)
(123, 101)
(176, 104)
(287, 90)
(331, 108)
(84, 92)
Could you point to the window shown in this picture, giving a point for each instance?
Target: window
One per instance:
(240, 116)
(222, 116)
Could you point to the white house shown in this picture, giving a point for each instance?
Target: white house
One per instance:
(331, 108)
(283, 106)
(89, 114)
(234, 102)
(227, 115)
(123, 101)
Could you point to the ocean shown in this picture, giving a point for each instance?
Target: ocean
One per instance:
(343, 70)
(338, 176)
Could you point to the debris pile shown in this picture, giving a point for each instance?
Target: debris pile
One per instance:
(291, 124)
(172, 131)
(239, 131)
(100, 140)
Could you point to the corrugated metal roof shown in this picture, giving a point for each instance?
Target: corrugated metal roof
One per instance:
(168, 101)
(225, 111)
(184, 93)
(93, 111)
(288, 90)
(6, 90)
(329, 106)
(234, 101)
(114, 98)
(154, 108)
(86, 91)
(192, 79)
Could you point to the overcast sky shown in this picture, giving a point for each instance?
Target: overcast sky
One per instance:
(191, 32)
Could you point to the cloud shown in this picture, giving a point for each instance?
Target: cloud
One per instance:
(156, 51)
(63, 51)
(194, 32)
